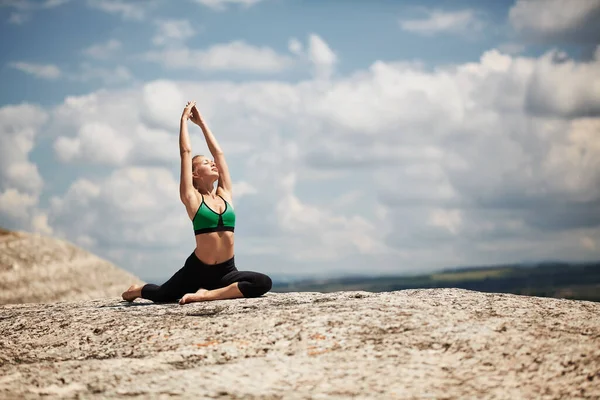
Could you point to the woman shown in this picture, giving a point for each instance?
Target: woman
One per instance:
(209, 272)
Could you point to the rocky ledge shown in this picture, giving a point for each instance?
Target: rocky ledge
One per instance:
(438, 343)
(41, 269)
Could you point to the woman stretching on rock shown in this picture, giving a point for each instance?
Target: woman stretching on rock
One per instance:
(209, 272)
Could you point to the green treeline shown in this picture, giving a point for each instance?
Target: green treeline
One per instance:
(559, 280)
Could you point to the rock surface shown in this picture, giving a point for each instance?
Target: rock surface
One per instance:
(411, 344)
(35, 268)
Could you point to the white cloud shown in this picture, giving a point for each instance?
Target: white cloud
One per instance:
(318, 54)
(370, 102)
(20, 181)
(374, 116)
(382, 165)
(243, 188)
(18, 18)
(314, 233)
(95, 143)
(54, 3)
(577, 150)
(24, 8)
(173, 31)
(546, 20)
(108, 76)
(588, 243)
(140, 129)
(103, 51)
(16, 205)
(67, 149)
(322, 57)
(127, 10)
(39, 224)
(243, 57)
(220, 5)
(295, 46)
(43, 71)
(151, 145)
(512, 48)
(162, 102)
(564, 87)
(126, 204)
(233, 56)
(76, 110)
(447, 219)
(19, 126)
(439, 21)
(341, 239)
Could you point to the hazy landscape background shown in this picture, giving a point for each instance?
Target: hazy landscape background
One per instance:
(579, 281)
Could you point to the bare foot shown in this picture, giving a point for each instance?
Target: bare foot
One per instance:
(131, 294)
(193, 297)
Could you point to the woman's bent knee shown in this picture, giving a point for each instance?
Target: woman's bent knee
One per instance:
(156, 293)
(259, 285)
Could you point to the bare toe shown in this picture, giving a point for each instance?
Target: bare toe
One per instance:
(129, 294)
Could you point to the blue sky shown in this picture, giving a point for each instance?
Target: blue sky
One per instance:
(361, 32)
(364, 136)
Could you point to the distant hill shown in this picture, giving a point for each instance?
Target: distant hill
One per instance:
(35, 268)
(579, 281)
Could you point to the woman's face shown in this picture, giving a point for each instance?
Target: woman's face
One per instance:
(205, 167)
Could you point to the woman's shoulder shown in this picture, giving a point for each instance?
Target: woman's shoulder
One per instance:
(225, 194)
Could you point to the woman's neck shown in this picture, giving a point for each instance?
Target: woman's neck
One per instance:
(205, 188)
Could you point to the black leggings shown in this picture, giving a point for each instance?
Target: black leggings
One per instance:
(195, 275)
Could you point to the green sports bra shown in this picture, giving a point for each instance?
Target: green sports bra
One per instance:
(206, 220)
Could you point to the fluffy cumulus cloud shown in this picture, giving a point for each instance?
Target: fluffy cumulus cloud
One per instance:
(96, 142)
(128, 198)
(220, 5)
(575, 96)
(86, 71)
(103, 51)
(109, 76)
(239, 56)
(397, 165)
(234, 56)
(42, 71)
(314, 233)
(23, 9)
(129, 216)
(105, 136)
(318, 54)
(127, 10)
(19, 127)
(111, 129)
(20, 180)
(557, 20)
(172, 31)
(443, 22)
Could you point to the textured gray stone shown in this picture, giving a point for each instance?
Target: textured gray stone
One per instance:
(41, 269)
(412, 344)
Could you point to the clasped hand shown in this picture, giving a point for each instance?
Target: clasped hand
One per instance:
(191, 112)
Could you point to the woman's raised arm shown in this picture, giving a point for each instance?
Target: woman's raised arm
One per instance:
(187, 192)
(215, 150)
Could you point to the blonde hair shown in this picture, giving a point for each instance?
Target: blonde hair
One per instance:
(194, 159)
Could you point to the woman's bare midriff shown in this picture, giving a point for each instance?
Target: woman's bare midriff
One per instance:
(214, 247)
